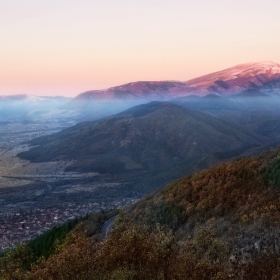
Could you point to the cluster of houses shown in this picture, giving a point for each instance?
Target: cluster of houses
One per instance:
(21, 226)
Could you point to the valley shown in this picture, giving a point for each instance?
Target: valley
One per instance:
(139, 140)
(61, 159)
(34, 197)
(52, 171)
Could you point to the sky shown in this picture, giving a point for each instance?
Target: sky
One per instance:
(65, 47)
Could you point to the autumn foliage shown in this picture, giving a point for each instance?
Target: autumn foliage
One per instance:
(221, 223)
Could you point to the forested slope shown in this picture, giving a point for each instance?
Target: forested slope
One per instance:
(220, 223)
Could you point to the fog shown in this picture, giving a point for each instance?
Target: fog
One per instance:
(232, 103)
(238, 109)
(258, 114)
(23, 108)
(20, 106)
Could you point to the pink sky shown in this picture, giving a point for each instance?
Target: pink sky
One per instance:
(65, 47)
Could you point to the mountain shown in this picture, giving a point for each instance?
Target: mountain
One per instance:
(244, 79)
(161, 90)
(231, 191)
(157, 137)
(263, 76)
(238, 200)
(97, 104)
(267, 127)
(250, 109)
(221, 223)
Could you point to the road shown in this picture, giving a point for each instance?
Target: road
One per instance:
(105, 230)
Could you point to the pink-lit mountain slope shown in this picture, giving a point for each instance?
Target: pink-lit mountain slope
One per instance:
(163, 90)
(264, 76)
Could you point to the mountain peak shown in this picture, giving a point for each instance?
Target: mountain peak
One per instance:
(251, 68)
(263, 76)
(268, 67)
(237, 78)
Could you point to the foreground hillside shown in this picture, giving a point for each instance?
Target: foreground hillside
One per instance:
(242, 192)
(221, 223)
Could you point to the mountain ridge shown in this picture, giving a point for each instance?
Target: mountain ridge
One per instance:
(256, 75)
(158, 138)
(238, 78)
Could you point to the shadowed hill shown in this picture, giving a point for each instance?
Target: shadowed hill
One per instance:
(251, 93)
(251, 109)
(154, 136)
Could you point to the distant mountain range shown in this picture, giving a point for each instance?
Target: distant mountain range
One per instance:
(263, 76)
(260, 76)
(248, 80)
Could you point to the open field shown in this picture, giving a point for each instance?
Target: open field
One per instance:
(17, 172)
(35, 197)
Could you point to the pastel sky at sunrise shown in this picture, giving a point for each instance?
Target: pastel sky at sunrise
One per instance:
(65, 47)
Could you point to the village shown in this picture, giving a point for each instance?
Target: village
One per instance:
(34, 197)
(22, 226)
